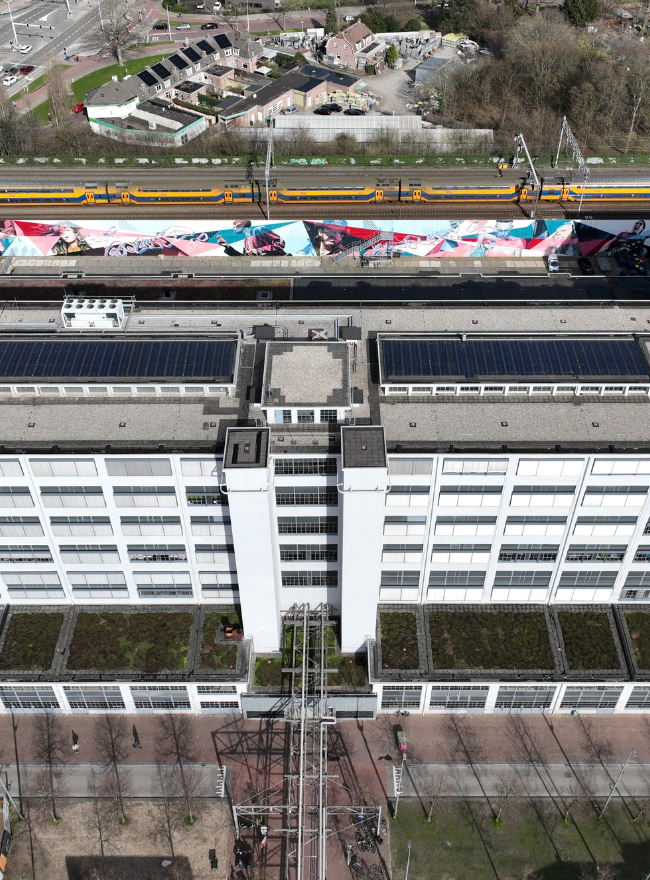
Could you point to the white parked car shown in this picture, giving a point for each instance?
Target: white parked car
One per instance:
(349, 18)
(9, 80)
(553, 263)
(216, 6)
(25, 49)
(183, 27)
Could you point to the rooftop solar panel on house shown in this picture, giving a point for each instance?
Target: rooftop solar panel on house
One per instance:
(192, 54)
(177, 61)
(204, 46)
(222, 41)
(121, 360)
(527, 360)
(161, 70)
(147, 78)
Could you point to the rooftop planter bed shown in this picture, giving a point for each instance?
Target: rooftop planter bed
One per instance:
(589, 641)
(492, 639)
(29, 640)
(635, 631)
(148, 641)
(220, 639)
(268, 673)
(401, 643)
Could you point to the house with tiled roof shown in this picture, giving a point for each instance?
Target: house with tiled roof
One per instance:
(354, 47)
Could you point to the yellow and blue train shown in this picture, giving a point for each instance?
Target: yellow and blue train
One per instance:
(559, 191)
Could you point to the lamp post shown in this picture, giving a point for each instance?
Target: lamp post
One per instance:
(13, 26)
(408, 860)
(614, 786)
(101, 20)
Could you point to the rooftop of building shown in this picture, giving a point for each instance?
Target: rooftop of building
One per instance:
(324, 73)
(166, 112)
(306, 374)
(363, 447)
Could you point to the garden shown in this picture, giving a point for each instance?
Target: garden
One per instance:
(589, 641)
(146, 641)
(490, 639)
(220, 637)
(398, 634)
(30, 641)
(637, 624)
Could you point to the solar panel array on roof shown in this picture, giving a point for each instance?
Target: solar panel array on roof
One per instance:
(147, 78)
(516, 359)
(161, 70)
(117, 359)
(177, 61)
(192, 54)
(204, 46)
(222, 41)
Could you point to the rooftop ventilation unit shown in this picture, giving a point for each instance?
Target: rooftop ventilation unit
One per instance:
(93, 314)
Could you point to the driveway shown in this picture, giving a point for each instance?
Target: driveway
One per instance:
(392, 87)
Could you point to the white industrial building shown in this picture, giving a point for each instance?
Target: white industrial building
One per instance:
(330, 458)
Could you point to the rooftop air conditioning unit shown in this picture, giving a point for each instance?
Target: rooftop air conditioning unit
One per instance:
(96, 314)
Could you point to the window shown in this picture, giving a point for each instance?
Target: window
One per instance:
(329, 415)
(542, 496)
(219, 585)
(80, 526)
(305, 416)
(33, 585)
(94, 697)
(72, 496)
(528, 553)
(97, 584)
(308, 552)
(591, 697)
(218, 690)
(445, 553)
(405, 525)
(308, 525)
(545, 467)
(401, 553)
(215, 553)
(307, 495)
(401, 696)
(138, 467)
(15, 496)
(10, 467)
(144, 496)
(526, 699)
(224, 705)
(596, 579)
(470, 526)
(211, 525)
(634, 595)
(464, 579)
(400, 578)
(20, 527)
(410, 467)
(615, 496)
(475, 466)
(199, 467)
(621, 466)
(163, 584)
(160, 696)
(157, 553)
(408, 496)
(458, 697)
(25, 697)
(204, 496)
(293, 466)
(310, 579)
(639, 698)
(59, 467)
(151, 525)
(89, 554)
(605, 526)
(535, 525)
(530, 579)
(286, 417)
(470, 496)
(602, 553)
(637, 584)
(25, 553)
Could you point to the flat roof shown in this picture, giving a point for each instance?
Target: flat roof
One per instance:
(306, 374)
(363, 447)
(464, 359)
(117, 360)
(247, 448)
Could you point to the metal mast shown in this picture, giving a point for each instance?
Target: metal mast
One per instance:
(565, 132)
(520, 144)
(270, 162)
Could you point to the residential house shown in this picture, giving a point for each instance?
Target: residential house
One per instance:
(294, 88)
(353, 47)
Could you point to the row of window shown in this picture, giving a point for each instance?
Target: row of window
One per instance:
(522, 496)
(115, 467)
(107, 697)
(112, 584)
(474, 526)
(123, 496)
(100, 526)
(108, 553)
(523, 578)
(305, 416)
(480, 553)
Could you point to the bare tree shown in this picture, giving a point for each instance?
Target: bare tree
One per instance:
(176, 746)
(508, 787)
(119, 30)
(188, 785)
(167, 819)
(50, 751)
(96, 817)
(59, 92)
(111, 742)
(435, 788)
(571, 799)
(598, 871)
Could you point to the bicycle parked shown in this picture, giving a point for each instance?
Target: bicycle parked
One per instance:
(403, 713)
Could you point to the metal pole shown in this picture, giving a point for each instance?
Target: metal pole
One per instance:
(13, 26)
(559, 143)
(615, 785)
(582, 194)
(101, 20)
(408, 860)
(399, 790)
(11, 800)
(169, 27)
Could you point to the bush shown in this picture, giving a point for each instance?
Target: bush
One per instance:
(579, 12)
(412, 24)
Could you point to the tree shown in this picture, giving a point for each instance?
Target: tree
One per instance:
(458, 13)
(392, 54)
(59, 92)
(176, 746)
(331, 19)
(111, 743)
(96, 817)
(579, 12)
(572, 798)
(166, 820)
(431, 789)
(507, 787)
(118, 31)
(412, 24)
(638, 86)
(51, 752)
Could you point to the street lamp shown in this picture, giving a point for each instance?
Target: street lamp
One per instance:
(408, 860)
(614, 785)
(13, 27)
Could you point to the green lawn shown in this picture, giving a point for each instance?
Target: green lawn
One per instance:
(462, 843)
(31, 640)
(147, 642)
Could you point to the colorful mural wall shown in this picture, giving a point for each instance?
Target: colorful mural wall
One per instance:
(315, 238)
